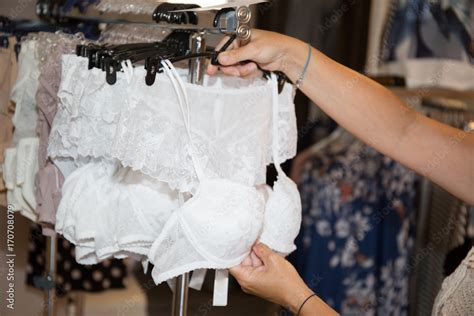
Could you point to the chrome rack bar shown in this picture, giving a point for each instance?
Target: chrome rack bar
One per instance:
(196, 76)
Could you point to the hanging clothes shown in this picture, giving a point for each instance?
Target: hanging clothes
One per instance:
(356, 237)
(21, 161)
(410, 43)
(8, 73)
(49, 180)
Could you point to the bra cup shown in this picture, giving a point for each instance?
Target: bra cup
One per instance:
(79, 181)
(282, 216)
(223, 218)
(152, 205)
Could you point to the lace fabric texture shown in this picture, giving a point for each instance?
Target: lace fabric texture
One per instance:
(49, 180)
(50, 48)
(456, 297)
(230, 143)
(125, 6)
(88, 111)
(141, 126)
(126, 34)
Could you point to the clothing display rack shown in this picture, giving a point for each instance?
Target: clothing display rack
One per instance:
(233, 21)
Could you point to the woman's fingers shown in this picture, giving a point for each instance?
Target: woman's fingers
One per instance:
(237, 55)
(263, 253)
(256, 262)
(244, 70)
(213, 69)
(248, 262)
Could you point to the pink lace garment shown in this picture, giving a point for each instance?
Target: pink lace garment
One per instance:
(49, 180)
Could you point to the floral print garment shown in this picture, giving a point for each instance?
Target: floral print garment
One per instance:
(357, 231)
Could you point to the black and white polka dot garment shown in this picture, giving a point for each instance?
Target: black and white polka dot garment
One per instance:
(70, 275)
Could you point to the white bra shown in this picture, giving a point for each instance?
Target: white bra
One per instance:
(111, 211)
(217, 227)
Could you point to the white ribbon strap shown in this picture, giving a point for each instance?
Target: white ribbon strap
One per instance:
(183, 102)
(221, 288)
(275, 137)
(197, 279)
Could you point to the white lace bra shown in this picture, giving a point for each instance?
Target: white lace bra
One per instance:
(217, 227)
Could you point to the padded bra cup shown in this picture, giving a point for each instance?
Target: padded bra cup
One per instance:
(222, 222)
(282, 215)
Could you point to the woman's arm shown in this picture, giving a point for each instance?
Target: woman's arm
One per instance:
(366, 109)
(276, 280)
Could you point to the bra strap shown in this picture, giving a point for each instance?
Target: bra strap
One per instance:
(185, 111)
(221, 288)
(275, 138)
(197, 279)
(128, 70)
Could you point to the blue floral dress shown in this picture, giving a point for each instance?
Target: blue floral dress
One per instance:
(357, 231)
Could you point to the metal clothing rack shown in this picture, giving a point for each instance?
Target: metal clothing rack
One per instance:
(229, 22)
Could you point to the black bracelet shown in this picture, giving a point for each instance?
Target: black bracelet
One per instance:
(301, 307)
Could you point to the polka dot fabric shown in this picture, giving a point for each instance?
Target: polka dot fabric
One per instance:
(71, 276)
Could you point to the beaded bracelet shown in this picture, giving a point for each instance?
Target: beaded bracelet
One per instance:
(305, 69)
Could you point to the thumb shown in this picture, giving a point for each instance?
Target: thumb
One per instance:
(237, 55)
(263, 252)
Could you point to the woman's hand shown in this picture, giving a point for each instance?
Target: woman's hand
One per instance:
(273, 278)
(267, 49)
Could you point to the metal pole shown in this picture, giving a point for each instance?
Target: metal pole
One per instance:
(51, 275)
(196, 76)
(197, 65)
